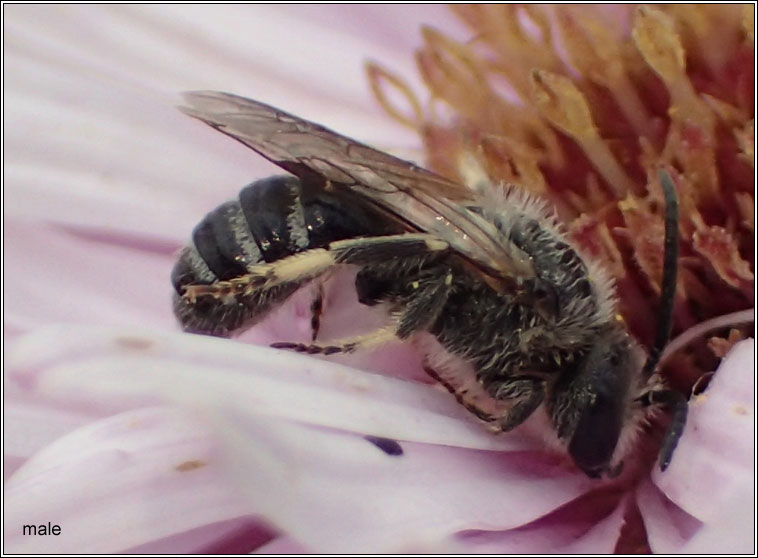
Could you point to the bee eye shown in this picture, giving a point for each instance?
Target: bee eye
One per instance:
(596, 435)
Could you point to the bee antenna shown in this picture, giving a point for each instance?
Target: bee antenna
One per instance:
(670, 264)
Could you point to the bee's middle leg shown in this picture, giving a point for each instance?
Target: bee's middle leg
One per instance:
(317, 309)
(423, 307)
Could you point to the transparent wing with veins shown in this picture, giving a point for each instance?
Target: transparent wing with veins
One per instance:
(421, 199)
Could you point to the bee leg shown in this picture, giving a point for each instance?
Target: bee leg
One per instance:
(526, 393)
(499, 411)
(310, 264)
(677, 404)
(471, 395)
(365, 251)
(426, 303)
(428, 300)
(350, 345)
(317, 308)
(292, 270)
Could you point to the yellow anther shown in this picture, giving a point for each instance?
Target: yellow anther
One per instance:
(658, 43)
(561, 102)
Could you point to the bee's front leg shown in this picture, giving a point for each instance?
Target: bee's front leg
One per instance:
(526, 394)
(513, 402)
(676, 402)
(310, 264)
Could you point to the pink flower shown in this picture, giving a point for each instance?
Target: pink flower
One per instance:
(131, 436)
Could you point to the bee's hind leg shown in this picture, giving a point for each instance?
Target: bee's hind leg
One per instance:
(313, 263)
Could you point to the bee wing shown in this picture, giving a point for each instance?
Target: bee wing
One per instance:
(420, 198)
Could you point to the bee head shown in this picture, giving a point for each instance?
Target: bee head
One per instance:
(592, 406)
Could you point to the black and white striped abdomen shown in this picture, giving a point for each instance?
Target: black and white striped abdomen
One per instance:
(271, 219)
(264, 223)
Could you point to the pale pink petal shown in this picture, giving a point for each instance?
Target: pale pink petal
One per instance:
(668, 526)
(601, 538)
(732, 532)
(30, 425)
(92, 135)
(59, 276)
(718, 446)
(283, 545)
(120, 482)
(589, 525)
(291, 473)
(713, 471)
(233, 536)
(114, 370)
(337, 493)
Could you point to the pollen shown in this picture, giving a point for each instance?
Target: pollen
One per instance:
(134, 343)
(190, 465)
(584, 106)
(740, 410)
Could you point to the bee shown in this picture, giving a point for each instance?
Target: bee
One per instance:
(508, 314)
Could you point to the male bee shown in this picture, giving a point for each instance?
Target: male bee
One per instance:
(509, 315)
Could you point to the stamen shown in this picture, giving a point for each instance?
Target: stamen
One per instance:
(452, 72)
(657, 41)
(378, 79)
(691, 138)
(592, 46)
(748, 22)
(564, 105)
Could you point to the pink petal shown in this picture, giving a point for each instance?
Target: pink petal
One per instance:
(600, 538)
(59, 276)
(118, 483)
(337, 493)
(283, 545)
(718, 445)
(114, 370)
(31, 425)
(330, 490)
(234, 536)
(703, 495)
(732, 532)
(93, 138)
(589, 525)
(668, 526)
